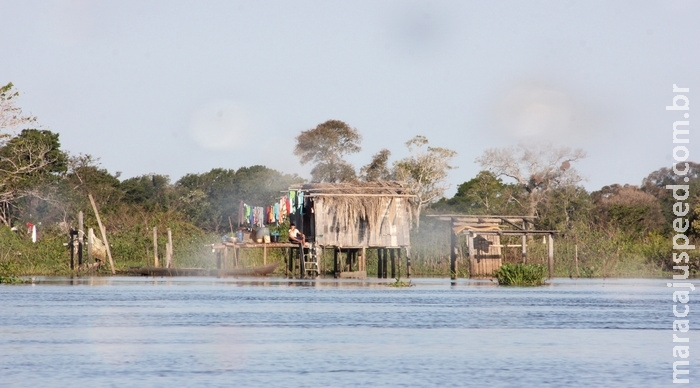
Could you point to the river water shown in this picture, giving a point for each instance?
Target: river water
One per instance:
(192, 332)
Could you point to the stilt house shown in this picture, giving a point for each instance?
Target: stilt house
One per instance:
(352, 217)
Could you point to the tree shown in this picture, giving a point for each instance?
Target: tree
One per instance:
(325, 146)
(11, 115)
(628, 209)
(210, 198)
(27, 161)
(483, 194)
(377, 169)
(566, 209)
(536, 168)
(655, 184)
(85, 176)
(152, 192)
(424, 172)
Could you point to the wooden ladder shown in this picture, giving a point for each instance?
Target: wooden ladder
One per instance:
(311, 262)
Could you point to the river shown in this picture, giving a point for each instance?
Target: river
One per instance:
(195, 332)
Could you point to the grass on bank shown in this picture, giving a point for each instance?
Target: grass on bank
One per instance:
(591, 254)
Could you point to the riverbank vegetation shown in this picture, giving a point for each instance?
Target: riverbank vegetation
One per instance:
(616, 231)
(521, 275)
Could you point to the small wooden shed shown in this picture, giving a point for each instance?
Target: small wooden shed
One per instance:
(483, 236)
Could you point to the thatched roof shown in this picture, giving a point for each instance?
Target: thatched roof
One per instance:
(378, 207)
(382, 188)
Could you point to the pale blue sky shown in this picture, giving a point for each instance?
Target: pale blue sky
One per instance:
(177, 87)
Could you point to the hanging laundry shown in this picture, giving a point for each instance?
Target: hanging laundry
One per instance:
(292, 202)
(300, 202)
(269, 216)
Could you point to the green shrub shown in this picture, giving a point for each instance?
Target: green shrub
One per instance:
(521, 275)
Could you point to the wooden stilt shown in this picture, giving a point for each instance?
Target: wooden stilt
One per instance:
(576, 260)
(385, 266)
(71, 246)
(398, 259)
(170, 251)
(81, 233)
(550, 255)
(380, 263)
(363, 260)
(453, 252)
(155, 247)
(336, 270)
(302, 267)
(90, 242)
(393, 263)
(408, 262)
(321, 262)
(524, 245)
(470, 249)
(264, 254)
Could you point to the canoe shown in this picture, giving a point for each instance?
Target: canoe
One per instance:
(262, 270)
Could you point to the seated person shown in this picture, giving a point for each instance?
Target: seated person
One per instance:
(295, 236)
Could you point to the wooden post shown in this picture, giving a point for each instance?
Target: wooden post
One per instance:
(155, 247)
(576, 260)
(170, 251)
(336, 273)
(408, 262)
(363, 260)
(524, 242)
(235, 257)
(104, 233)
(225, 263)
(398, 259)
(81, 235)
(550, 254)
(393, 263)
(71, 246)
(90, 241)
(302, 266)
(380, 263)
(470, 248)
(321, 262)
(385, 265)
(453, 251)
(264, 252)
(167, 254)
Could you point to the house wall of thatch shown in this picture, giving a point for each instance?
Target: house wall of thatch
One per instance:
(361, 215)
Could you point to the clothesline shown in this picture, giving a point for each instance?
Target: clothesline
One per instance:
(291, 203)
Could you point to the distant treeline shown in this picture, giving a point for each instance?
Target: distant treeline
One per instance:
(617, 230)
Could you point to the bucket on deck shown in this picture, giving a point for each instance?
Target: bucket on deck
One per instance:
(261, 233)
